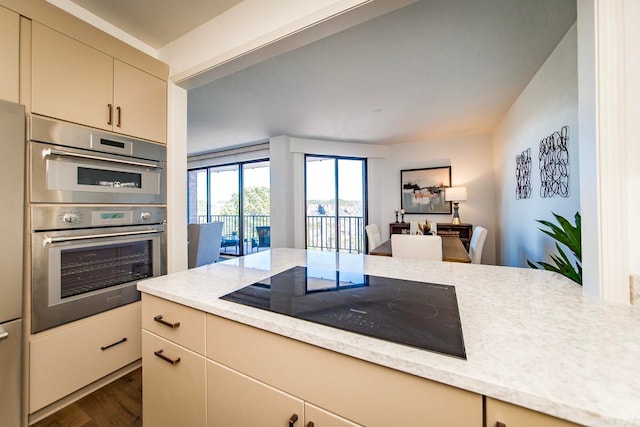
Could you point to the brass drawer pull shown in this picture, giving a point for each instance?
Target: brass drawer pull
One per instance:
(110, 121)
(166, 358)
(500, 424)
(105, 347)
(119, 111)
(310, 424)
(159, 319)
(293, 419)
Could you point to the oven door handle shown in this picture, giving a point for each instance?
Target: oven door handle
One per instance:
(50, 240)
(53, 152)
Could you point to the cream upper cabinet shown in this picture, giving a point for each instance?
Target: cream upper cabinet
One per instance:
(140, 101)
(75, 82)
(9, 54)
(502, 414)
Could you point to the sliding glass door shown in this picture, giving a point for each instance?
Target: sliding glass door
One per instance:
(335, 203)
(239, 195)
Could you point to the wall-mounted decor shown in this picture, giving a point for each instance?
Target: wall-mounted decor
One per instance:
(523, 175)
(554, 164)
(423, 190)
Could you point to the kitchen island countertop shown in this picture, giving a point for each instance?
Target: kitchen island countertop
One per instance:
(532, 339)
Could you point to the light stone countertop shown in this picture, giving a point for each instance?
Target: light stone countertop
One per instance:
(531, 337)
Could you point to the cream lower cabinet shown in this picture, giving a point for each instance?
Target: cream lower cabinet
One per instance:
(66, 359)
(174, 369)
(9, 54)
(502, 414)
(75, 82)
(344, 387)
(173, 384)
(234, 399)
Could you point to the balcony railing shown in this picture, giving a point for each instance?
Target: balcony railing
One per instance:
(321, 232)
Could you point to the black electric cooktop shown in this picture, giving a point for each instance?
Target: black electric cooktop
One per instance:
(417, 314)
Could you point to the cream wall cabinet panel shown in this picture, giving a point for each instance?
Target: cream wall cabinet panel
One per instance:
(173, 384)
(318, 417)
(510, 415)
(77, 83)
(65, 361)
(141, 103)
(174, 322)
(9, 54)
(233, 399)
(364, 392)
(70, 80)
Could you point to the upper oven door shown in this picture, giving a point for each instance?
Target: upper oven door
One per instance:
(62, 174)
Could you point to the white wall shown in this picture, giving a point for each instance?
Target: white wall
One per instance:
(632, 57)
(471, 161)
(549, 102)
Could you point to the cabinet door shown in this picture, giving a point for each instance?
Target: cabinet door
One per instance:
(70, 80)
(235, 399)
(516, 416)
(9, 54)
(173, 384)
(318, 417)
(140, 100)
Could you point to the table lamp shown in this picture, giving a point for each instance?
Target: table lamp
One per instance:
(455, 195)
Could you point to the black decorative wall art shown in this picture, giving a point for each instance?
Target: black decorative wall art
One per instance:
(554, 164)
(523, 175)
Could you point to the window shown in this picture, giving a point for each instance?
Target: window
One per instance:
(335, 203)
(239, 195)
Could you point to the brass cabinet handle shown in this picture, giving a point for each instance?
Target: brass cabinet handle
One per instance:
(166, 358)
(159, 319)
(293, 419)
(310, 424)
(500, 424)
(108, 346)
(110, 121)
(119, 111)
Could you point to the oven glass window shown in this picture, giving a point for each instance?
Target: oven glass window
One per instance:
(108, 178)
(98, 267)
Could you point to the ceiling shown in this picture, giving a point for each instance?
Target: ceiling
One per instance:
(156, 22)
(431, 70)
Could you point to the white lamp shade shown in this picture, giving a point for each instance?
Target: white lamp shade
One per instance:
(455, 194)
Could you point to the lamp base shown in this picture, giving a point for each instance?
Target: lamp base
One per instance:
(456, 217)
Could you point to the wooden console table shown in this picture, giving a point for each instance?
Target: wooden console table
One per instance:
(464, 231)
(399, 228)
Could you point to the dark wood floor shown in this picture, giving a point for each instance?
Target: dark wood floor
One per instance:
(116, 404)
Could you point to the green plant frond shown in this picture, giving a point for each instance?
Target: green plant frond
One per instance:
(570, 236)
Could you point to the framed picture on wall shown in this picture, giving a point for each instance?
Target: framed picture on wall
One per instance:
(423, 190)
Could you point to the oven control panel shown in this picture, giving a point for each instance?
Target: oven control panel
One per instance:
(66, 217)
(111, 218)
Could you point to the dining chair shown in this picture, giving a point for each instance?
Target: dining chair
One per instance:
(477, 243)
(373, 236)
(414, 246)
(204, 243)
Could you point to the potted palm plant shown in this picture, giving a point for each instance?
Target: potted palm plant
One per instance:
(570, 236)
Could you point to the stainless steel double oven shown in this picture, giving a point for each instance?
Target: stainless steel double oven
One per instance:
(98, 215)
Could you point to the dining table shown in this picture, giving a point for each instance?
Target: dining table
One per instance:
(453, 249)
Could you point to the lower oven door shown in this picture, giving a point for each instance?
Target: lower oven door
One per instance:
(78, 273)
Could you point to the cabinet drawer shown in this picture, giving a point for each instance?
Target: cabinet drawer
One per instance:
(174, 393)
(178, 323)
(63, 362)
